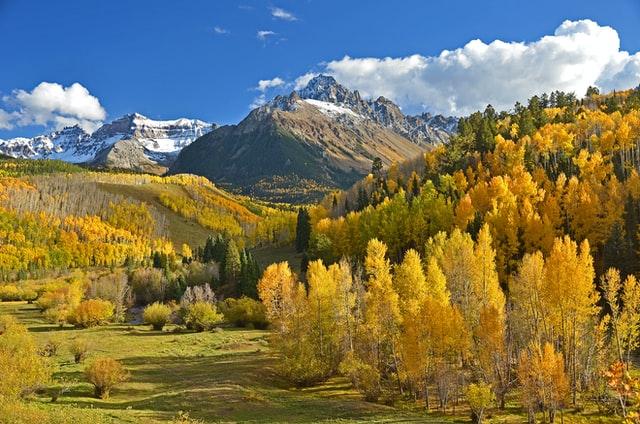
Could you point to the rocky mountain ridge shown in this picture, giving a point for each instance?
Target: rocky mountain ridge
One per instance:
(132, 142)
(301, 146)
(423, 128)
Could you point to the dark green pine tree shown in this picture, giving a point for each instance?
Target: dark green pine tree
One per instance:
(363, 199)
(232, 268)
(160, 260)
(303, 230)
(207, 253)
(249, 275)
(220, 248)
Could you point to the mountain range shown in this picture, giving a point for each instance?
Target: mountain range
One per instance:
(132, 142)
(295, 148)
(301, 146)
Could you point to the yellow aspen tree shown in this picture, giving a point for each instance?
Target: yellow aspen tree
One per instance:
(529, 314)
(382, 313)
(464, 213)
(322, 303)
(409, 281)
(543, 379)
(456, 258)
(629, 322)
(410, 284)
(279, 290)
(436, 283)
(349, 291)
(287, 309)
(486, 286)
(611, 285)
(571, 295)
(21, 367)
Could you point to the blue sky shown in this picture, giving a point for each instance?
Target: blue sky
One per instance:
(88, 62)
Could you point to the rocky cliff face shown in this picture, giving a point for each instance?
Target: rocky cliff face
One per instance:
(131, 142)
(423, 128)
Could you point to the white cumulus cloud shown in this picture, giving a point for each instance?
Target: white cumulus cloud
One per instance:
(51, 104)
(579, 54)
(263, 85)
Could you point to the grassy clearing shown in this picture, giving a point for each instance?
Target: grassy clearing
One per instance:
(225, 376)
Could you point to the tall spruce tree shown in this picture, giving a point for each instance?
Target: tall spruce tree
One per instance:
(303, 230)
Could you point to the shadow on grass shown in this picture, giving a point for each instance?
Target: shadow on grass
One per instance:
(154, 333)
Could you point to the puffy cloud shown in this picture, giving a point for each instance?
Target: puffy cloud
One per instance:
(263, 85)
(6, 120)
(276, 12)
(51, 104)
(578, 55)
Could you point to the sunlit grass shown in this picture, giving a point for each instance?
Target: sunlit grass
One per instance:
(222, 376)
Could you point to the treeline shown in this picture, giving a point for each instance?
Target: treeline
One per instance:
(10, 167)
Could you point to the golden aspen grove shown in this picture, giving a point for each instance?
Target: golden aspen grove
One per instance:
(492, 279)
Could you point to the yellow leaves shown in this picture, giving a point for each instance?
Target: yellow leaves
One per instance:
(543, 378)
(409, 281)
(21, 368)
(282, 295)
(464, 212)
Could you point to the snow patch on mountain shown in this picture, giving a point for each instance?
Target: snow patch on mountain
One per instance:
(331, 110)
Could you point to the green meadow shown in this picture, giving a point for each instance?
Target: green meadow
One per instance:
(223, 376)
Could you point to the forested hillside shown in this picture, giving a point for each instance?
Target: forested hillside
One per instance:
(521, 236)
(58, 217)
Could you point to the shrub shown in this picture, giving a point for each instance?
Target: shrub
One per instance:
(184, 418)
(245, 312)
(201, 316)
(9, 292)
(91, 312)
(364, 377)
(195, 294)
(480, 398)
(52, 347)
(148, 285)
(157, 314)
(105, 374)
(79, 348)
(21, 368)
(56, 315)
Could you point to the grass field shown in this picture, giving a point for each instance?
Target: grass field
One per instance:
(224, 376)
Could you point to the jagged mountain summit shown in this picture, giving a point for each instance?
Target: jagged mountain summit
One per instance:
(132, 142)
(423, 128)
(299, 147)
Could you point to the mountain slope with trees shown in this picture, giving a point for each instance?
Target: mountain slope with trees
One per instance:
(300, 147)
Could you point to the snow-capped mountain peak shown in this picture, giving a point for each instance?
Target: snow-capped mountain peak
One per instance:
(339, 103)
(160, 141)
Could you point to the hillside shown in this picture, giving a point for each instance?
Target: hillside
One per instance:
(71, 214)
